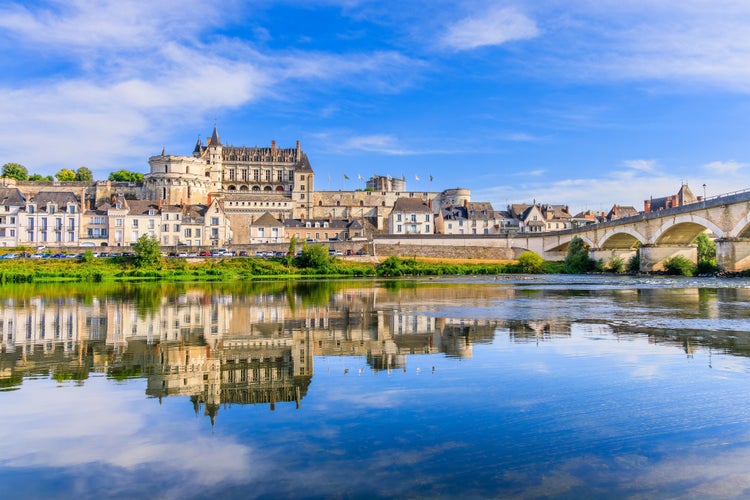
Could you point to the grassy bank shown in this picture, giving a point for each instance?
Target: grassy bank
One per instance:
(121, 269)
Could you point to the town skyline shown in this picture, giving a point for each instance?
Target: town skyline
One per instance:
(584, 104)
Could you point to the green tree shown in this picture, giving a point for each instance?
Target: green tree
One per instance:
(126, 176)
(531, 263)
(706, 254)
(40, 177)
(292, 250)
(577, 260)
(65, 174)
(15, 171)
(314, 256)
(84, 174)
(147, 252)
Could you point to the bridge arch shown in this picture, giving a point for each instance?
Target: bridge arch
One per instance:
(621, 237)
(741, 228)
(561, 245)
(683, 229)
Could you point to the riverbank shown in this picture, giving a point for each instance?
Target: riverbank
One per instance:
(240, 268)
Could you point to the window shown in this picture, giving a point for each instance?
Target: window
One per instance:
(414, 217)
(398, 217)
(118, 222)
(197, 233)
(188, 233)
(427, 218)
(135, 222)
(427, 228)
(214, 221)
(398, 228)
(151, 224)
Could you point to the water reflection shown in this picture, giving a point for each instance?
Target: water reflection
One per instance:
(256, 343)
(588, 387)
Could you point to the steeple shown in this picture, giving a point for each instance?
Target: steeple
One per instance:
(215, 138)
(198, 151)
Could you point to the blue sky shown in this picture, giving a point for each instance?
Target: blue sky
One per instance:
(583, 102)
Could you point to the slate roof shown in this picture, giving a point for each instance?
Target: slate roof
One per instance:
(59, 198)
(415, 205)
(12, 197)
(267, 220)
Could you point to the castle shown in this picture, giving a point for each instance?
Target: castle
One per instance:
(249, 182)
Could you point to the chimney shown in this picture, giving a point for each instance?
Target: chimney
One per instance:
(273, 148)
(209, 200)
(158, 205)
(647, 206)
(298, 150)
(466, 203)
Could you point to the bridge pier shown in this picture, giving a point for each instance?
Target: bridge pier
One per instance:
(653, 256)
(606, 254)
(733, 254)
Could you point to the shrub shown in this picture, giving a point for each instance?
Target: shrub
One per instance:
(679, 266)
(634, 263)
(390, 267)
(313, 256)
(616, 265)
(531, 263)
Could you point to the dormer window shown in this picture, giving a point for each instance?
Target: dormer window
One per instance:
(32, 209)
(51, 208)
(71, 209)
(151, 211)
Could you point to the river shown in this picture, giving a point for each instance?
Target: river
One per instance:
(470, 387)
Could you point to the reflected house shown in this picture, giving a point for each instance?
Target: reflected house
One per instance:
(535, 331)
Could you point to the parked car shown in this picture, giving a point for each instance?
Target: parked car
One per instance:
(9, 256)
(205, 253)
(243, 253)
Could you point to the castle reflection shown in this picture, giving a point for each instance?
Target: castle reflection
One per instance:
(223, 345)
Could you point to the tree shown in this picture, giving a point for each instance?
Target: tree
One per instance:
(314, 256)
(126, 176)
(147, 252)
(577, 260)
(15, 171)
(531, 263)
(84, 174)
(706, 254)
(292, 250)
(40, 177)
(65, 174)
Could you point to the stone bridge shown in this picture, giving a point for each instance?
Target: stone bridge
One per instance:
(656, 235)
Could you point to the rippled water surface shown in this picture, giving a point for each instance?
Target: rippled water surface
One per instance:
(475, 387)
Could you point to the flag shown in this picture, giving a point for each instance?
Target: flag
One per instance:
(416, 177)
(346, 177)
(359, 176)
(430, 177)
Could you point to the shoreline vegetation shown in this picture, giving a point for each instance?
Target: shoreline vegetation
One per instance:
(146, 263)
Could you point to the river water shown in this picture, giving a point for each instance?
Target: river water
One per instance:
(472, 387)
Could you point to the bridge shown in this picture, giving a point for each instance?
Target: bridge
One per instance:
(656, 236)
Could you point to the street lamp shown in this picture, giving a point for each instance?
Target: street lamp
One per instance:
(704, 193)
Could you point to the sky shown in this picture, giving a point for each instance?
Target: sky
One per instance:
(580, 102)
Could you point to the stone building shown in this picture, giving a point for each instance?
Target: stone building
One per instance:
(12, 202)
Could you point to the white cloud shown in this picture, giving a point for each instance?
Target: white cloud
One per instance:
(692, 42)
(724, 167)
(495, 27)
(136, 73)
(642, 165)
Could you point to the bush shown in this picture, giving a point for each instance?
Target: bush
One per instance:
(390, 267)
(634, 263)
(616, 265)
(679, 266)
(531, 263)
